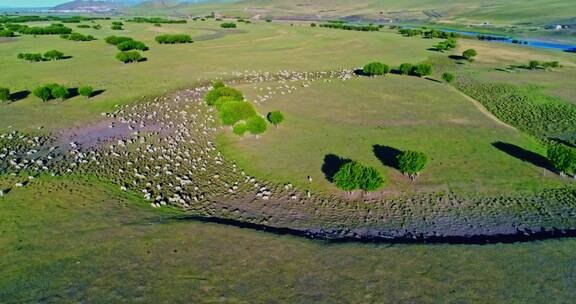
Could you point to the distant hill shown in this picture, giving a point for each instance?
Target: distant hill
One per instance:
(95, 5)
(464, 11)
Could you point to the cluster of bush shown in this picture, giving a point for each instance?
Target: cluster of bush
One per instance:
(350, 27)
(352, 175)
(378, 68)
(446, 45)
(117, 26)
(6, 33)
(128, 48)
(157, 20)
(173, 39)
(536, 64)
(130, 57)
(50, 55)
(54, 29)
(355, 176)
(83, 26)
(469, 54)
(77, 37)
(236, 112)
(427, 33)
(57, 91)
(228, 25)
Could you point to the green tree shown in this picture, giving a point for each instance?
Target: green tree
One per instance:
(4, 94)
(240, 129)
(422, 69)
(54, 55)
(448, 77)
(469, 54)
(411, 163)
(58, 91)
(218, 84)
(129, 45)
(129, 56)
(375, 68)
(85, 91)
(405, 68)
(256, 125)
(235, 111)
(353, 176)
(534, 64)
(563, 158)
(43, 93)
(275, 118)
(216, 93)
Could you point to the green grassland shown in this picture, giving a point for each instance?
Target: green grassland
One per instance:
(263, 47)
(349, 118)
(70, 241)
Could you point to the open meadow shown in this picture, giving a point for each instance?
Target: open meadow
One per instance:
(287, 162)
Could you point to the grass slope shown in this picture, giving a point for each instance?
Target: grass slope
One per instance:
(77, 241)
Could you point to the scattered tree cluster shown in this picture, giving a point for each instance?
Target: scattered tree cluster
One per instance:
(228, 25)
(376, 69)
(54, 29)
(129, 57)
(157, 20)
(77, 37)
(115, 40)
(536, 64)
(235, 111)
(173, 39)
(354, 176)
(129, 45)
(427, 33)
(117, 26)
(563, 158)
(411, 163)
(446, 45)
(37, 57)
(6, 33)
(51, 91)
(350, 27)
(419, 70)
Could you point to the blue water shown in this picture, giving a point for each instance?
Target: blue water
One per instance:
(527, 42)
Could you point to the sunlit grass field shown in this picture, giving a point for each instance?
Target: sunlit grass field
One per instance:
(70, 241)
(263, 47)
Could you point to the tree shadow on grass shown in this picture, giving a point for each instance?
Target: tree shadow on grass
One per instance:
(19, 95)
(433, 80)
(457, 57)
(387, 155)
(96, 93)
(524, 155)
(73, 92)
(332, 164)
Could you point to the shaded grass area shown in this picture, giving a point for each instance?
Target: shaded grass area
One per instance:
(70, 240)
(371, 120)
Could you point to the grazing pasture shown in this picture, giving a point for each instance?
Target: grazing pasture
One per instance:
(217, 53)
(367, 119)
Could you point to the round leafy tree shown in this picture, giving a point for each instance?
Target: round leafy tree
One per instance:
(85, 91)
(422, 69)
(235, 111)
(470, 54)
(4, 94)
(448, 77)
(563, 158)
(256, 125)
(275, 118)
(43, 93)
(375, 68)
(216, 93)
(59, 91)
(353, 176)
(54, 55)
(240, 129)
(411, 162)
(405, 68)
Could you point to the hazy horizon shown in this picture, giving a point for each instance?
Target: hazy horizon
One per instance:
(30, 3)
